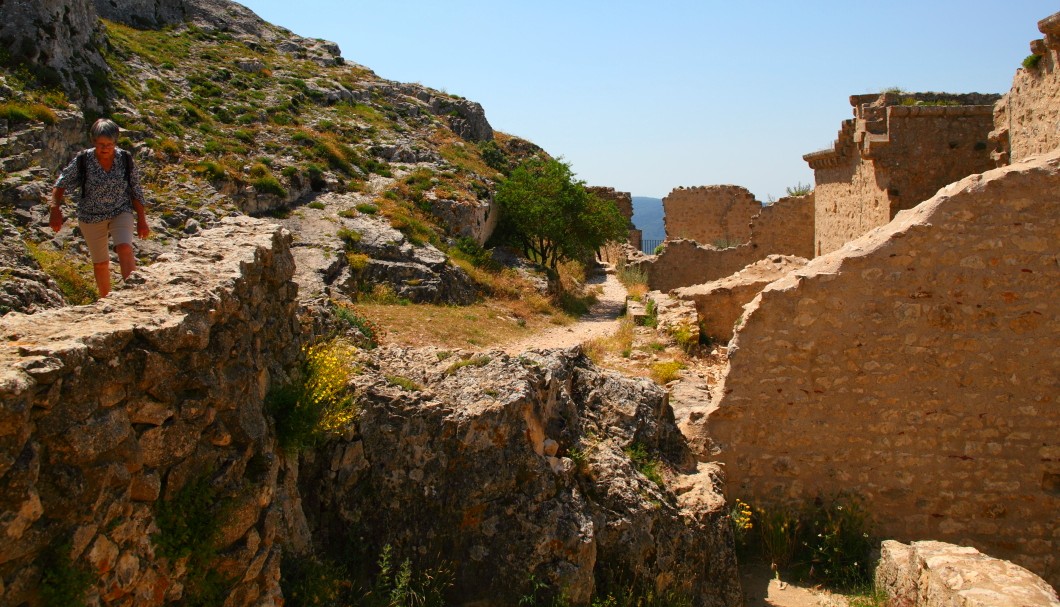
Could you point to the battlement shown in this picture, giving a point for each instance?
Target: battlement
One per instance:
(897, 150)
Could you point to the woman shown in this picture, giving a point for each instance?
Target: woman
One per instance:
(109, 194)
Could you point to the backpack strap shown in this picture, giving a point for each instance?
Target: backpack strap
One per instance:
(82, 168)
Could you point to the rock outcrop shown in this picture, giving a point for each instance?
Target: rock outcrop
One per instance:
(23, 286)
(936, 574)
(61, 40)
(382, 255)
(519, 469)
(916, 366)
(111, 413)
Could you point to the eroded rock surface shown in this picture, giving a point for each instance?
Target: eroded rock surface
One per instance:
(108, 409)
(512, 467)
(937, 574)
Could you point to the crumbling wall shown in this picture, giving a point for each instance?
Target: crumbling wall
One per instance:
(106, 410)
(624, 202)
(785, 227)
(1027, 119)
(918, 367)
(719, 304)
(899, 149)
(717, 215)
(685, 262)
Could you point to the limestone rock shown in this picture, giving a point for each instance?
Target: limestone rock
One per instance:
(517, 466)
(66, 52)
(23, 286)
(107, 408)
(937, 574)
(418, 272)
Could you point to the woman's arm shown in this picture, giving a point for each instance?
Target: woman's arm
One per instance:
(142, 229)
(55, 209)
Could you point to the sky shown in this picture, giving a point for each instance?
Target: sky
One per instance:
(646, 97)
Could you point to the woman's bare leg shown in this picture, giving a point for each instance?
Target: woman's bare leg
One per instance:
(126, 259)
(101, 271)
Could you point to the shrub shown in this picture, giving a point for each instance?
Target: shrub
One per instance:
(350, 238)
(210, 170)
(799, 189)
(316, 204)
(27, 112)
(367, 208)
(308, 581)
(659, 249)
(1031, 61)
(651, 311)
(403, 586)
(269, 185)
(317, 404)
(665, 372)
(686, 336)
(64, 582)
(188, 527)
(372, 334)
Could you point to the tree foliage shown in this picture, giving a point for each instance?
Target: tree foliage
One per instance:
(552, 216)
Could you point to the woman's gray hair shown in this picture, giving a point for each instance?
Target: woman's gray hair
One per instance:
(104, 127)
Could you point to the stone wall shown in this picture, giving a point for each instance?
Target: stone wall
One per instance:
(1027, 119)
(685, 262)
(624, 202)
(719, 304)
(712, 215)
(785, 227)
(108, 409)
(897, 151)
(918, 367)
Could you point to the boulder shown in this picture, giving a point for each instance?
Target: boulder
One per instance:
(520, 471)
(937, 574)
(23, 286)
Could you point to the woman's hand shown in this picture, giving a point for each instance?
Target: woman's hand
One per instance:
(55, 219)
(142, 229)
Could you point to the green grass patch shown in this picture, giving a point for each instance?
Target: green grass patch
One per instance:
(1031, 61)
(367, 208)
(404, 383)
(665, 372)
(474, 361)
(269, 185)
(16, 112)
(645, 462)
(74, 278)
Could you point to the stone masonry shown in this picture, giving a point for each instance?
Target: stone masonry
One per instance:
(897, 151)
(785, 227)
(108, 409)
(624, 202)
(916, 366)
(1027, 119)
(718, 215)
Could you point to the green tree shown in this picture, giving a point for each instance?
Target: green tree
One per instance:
(552, 216)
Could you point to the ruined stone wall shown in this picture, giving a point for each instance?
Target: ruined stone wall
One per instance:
(785, 227)
(108, 409)
(1027, 119)
(897, 151)
(624, 202)
(711, 215)
(684, 262)
(918, 367)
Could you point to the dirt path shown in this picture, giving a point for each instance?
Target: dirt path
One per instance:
(601, 320)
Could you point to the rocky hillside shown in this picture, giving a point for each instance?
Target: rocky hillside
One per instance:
(227, 114)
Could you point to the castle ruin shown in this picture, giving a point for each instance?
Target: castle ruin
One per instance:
(896, 152)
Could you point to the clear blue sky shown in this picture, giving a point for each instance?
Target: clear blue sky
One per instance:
(679, 93)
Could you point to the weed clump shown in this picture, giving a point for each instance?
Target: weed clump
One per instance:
(318, 404)
(72, 277)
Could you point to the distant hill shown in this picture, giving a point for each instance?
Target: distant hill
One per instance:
(648, 217)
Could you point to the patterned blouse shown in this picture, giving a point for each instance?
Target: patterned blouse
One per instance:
(107, 191)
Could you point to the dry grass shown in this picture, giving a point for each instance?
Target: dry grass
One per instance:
(600, 349)
(478, 326)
